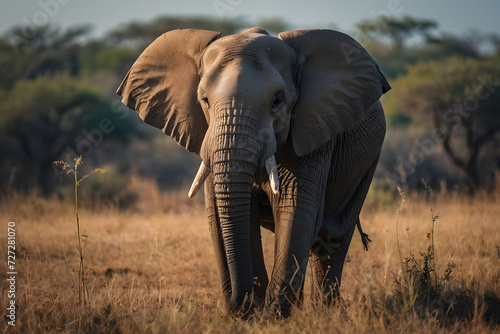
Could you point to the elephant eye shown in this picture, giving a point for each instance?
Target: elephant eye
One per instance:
(278, 101)
(204, 98)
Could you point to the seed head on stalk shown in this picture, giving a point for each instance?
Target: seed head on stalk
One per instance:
(83, 293)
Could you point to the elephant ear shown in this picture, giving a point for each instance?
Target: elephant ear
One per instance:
(339, 81)
(161, 85)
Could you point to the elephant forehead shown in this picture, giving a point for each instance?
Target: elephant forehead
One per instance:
(249, 45)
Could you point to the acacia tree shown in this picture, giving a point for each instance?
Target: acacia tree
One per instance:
(397, 30)
(396, 42)
(461, 98)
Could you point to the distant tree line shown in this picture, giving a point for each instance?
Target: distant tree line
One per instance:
(444, 110)
(57, 101)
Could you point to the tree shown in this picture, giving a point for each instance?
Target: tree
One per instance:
(461, 98)
(398, 42)
(398, 31)
(140, 34)
(49, 51)
(44, 120)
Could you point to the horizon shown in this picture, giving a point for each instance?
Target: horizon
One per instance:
(480, 16)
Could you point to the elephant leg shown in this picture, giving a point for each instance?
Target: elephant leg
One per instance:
(327, 260)
(330, 248)
(298, 211)
(217, 241)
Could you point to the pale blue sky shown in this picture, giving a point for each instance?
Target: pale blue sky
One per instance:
(455, 16)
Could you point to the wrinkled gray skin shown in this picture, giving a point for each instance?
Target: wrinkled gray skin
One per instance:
(309, 99)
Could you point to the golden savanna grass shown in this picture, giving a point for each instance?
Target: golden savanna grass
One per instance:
(152, 270)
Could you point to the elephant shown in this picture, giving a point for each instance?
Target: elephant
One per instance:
(289, 130)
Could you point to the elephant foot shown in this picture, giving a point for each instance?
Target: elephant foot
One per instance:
(279, 309)
(251, 307)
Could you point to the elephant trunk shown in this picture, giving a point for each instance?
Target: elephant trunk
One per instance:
(234, 162)
(232, 199)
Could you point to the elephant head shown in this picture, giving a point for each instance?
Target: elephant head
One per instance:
(236, 100)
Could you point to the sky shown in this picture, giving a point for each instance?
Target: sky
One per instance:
(453, 16)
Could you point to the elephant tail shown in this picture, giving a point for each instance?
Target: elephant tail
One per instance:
(364, 237)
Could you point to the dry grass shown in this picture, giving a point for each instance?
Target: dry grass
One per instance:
(153, 271)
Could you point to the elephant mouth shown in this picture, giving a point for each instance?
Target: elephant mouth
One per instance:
(204, 171)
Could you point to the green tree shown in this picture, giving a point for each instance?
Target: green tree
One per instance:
(460, 97)
(397, 30)
(44, 120)
(140, 34)
(49, 51)
(399, 42)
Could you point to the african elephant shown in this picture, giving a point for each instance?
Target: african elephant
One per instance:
(289, 131)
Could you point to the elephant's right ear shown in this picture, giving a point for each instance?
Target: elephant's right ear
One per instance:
(161, 85)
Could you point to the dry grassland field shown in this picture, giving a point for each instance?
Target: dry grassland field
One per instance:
(152, 270)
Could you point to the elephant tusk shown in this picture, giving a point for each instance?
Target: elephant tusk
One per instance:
(272, 170)
(199, 179)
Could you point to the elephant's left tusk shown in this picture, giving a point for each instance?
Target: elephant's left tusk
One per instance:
(272, 170)
(199, 179)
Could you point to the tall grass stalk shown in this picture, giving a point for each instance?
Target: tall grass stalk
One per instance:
(83, 291)
(402, 195)
(434, 218)
(418, 286)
